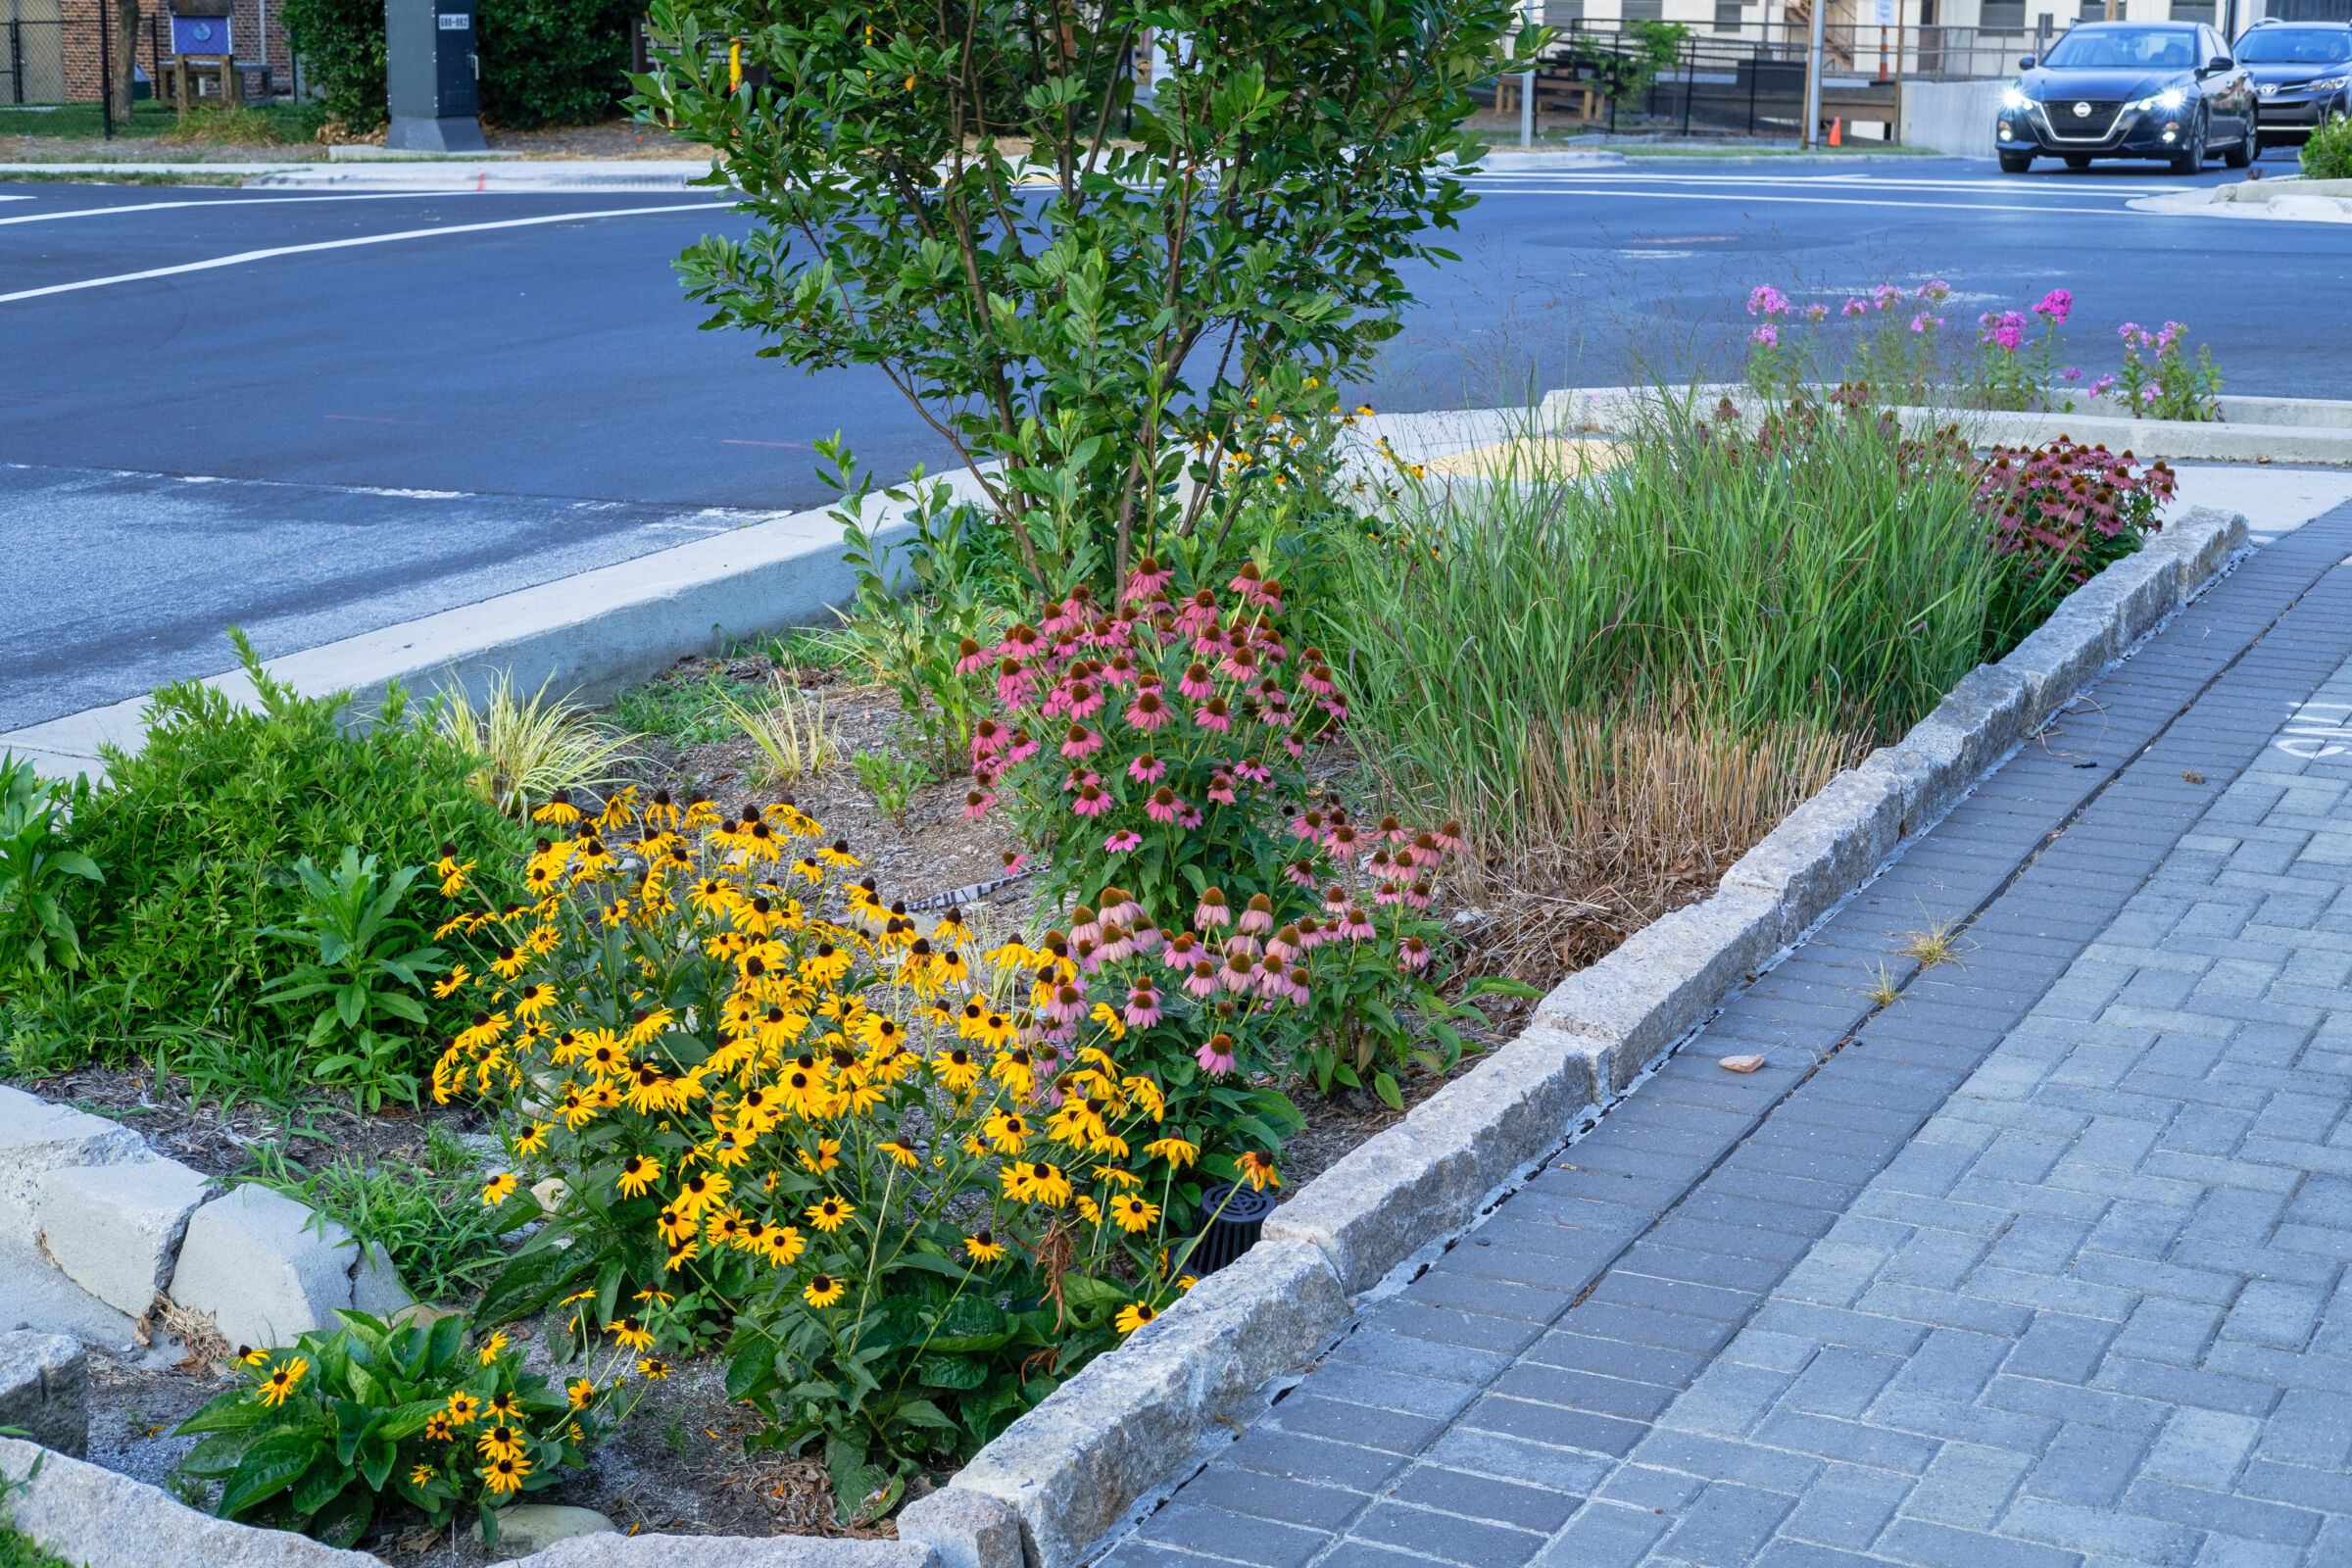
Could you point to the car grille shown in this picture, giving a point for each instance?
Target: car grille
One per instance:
(2067, 126)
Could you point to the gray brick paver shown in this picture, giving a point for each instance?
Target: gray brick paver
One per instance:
(2049, 1263)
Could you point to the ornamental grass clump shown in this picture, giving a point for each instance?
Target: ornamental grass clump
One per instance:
(909, 1172)
(321, 1436)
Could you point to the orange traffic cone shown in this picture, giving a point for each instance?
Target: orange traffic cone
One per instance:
(1837, 133)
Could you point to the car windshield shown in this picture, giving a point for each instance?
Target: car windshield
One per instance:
(2295, 47)
(2124, 48)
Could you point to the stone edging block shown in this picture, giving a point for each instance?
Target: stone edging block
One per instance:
(37, 1138)
(95, 1518)
(116, 1230)
(267, 1269)
(44, 1389)
(1124, 1428)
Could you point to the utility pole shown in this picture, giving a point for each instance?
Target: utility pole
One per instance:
(1813, 79)
(1526, 82)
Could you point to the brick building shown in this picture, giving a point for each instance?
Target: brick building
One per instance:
(49, 49)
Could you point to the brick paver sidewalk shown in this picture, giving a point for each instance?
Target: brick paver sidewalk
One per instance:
(2042, 1265)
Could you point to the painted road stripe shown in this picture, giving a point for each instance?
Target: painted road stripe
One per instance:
(243, 201)
(243, 257)
(1800, 201)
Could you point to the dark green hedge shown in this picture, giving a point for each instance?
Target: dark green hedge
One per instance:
(544, 62)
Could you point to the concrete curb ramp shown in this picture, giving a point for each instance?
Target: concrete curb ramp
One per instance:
(1117, 1437)
(94, 1518)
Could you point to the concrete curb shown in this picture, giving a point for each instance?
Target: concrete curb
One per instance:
(95, 1518)
(1116, 1437)
(588, 634)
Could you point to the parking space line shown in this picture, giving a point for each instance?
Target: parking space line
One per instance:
(242, 257)
(233, 201)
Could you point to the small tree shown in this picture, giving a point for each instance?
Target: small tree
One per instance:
(1081, 288)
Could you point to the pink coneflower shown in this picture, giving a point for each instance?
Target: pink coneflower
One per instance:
(970, 656)
(1220, 789)
(1241, 664)
(1078, 778)
(1119, 905)
(1120, 671)
(1081, 742)
(1146, 938)
(976, 803)
(1148, 713)
(1240, 974)
(1247, 583)
(1143, 1006)
(1147, 769)
(1391, 830)
(1117, 945)
(1379, 865)
(1256, 772)
(1189, 818)
(1307, 826)
(1203, 981)
(1285, 944)
(1425, 850)
(1389, 893)
(1067, 1005)
(1317, 677)
(1295, 746)
(1450, 837)
(1213, 714)
(1215, 1054)
(1343, 842)
(1194, 684)
(1312, 933)
(1015, 862)
(1084, 698)
(1023, 749)
(1335, 902)
(1091, 802)
(1084, 926)
(1122, 840)
(1087, 953)
(1335, 708)
(1414, 953)
(1299, 993)
(1259, 919)
(1356, 925)
(1419, 895)
(1199, 611)
(1183, 948)
(1303, 872)
(1212, 910)
(1147, 578)
(1163, 805)
(988, 739)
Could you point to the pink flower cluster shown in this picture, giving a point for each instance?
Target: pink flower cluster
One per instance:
(2047, 503)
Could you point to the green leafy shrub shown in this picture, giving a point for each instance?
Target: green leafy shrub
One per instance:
(2327, 151)
(363, 977)
(36, 927)
(319, 1435)
(199, 834)
(543, 62)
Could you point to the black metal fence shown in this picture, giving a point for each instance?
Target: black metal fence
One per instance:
(32, 61)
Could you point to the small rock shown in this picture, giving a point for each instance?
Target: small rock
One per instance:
(2190, 776)
(551, 1193)
(424, 1312)
(530, 1527)
(1740, 1063)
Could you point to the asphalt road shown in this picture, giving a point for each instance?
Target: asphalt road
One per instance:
(491, 390)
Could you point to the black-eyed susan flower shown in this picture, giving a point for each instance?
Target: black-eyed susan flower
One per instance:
(1175, 1150)
(637, 1173)
(252, 1357)
(494, 1346)
(654, 1367)
(532, 1141)
(823, 1290)
(1133, 1316)
(1258, 1170)
(506, 1474)
(500, 1188)
(437, 1428)
(1131, 1213)
(899, 1149)
(500, 1440)
(1036, 1182)
(632, 1333)
(830, 1214)
(460, 977)
(422, 1475)
(827, 1155)
(279, 1386)
(462, 1408)
(982, 1246)
(784, 1244)
(705, 1189)
(579, 1390)
(505, 1407)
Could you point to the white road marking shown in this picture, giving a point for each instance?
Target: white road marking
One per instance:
(243, 257)
(1806, 201)
(2013, 187)
(231, 201)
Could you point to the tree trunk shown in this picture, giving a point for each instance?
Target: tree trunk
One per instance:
(122, 48)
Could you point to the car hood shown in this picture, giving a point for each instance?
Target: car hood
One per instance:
(2299, 71)
(2098, 86)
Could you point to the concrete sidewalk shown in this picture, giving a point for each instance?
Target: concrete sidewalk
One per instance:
(2039, 1263)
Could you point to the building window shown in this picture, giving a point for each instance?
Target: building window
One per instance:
(1727, 16)
(1644, 11)
(1563, 14)
(2193, 10)
(2003, 15)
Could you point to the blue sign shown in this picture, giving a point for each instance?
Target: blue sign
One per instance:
(200, 36)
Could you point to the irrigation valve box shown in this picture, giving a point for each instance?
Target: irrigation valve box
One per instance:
(432, 76)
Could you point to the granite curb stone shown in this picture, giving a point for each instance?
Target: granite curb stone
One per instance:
(116, 1230)
(37, 1138)
(268, 1269)
(1073, 1473)
(968, 1529)
(44, 1389)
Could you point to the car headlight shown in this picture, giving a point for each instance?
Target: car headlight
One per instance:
(2167, 100)
(2331, 83)
(2013, 98)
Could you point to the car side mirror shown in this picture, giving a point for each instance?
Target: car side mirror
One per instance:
(2026, 63)
(2223, 62)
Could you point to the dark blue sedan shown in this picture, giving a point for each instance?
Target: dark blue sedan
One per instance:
(2128, 89)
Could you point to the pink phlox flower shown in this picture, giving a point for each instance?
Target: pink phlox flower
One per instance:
(2056, 305)
(1765, 300)
(1122, 840)
(1855, 306)
(2102, 386)
(1923, 322)
(1936, 291)
(1766, 335)
(1147, 769)
(2127, 331)
(2069, 375)
(1885, 296)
